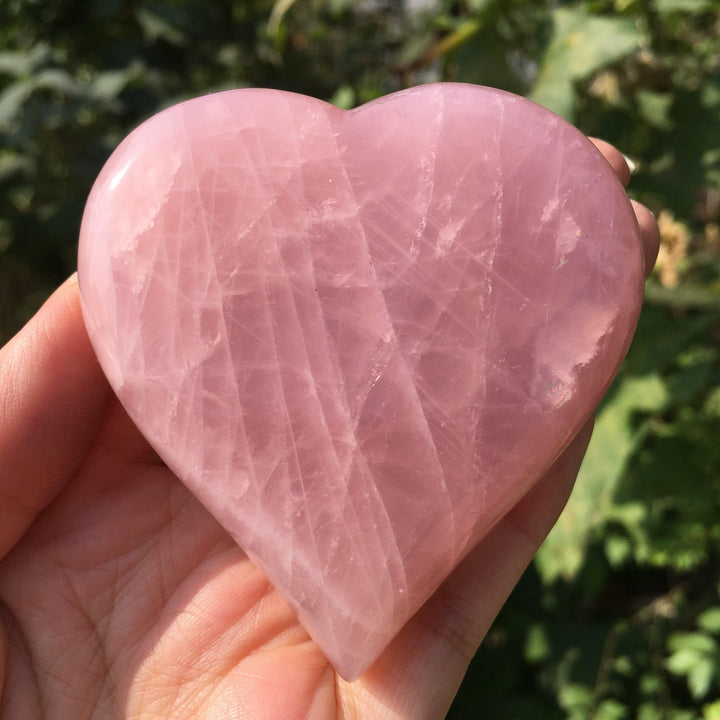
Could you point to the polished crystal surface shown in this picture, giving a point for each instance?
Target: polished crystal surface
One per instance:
(359, 337)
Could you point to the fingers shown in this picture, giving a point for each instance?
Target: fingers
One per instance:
(52, 399)
(616, 159)
(649, 232)
(423, 667)
(3, 658)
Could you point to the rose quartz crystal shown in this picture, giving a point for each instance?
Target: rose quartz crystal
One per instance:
(359, 337)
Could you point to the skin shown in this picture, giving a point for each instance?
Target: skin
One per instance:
(120, 597)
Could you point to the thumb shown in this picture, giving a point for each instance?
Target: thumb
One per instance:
(52, 399)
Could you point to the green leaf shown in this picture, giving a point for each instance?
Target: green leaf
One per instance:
(683, 661)
(5, 235)
(581, 44)
(661, 336)
(712, 403)
(686, 7)
(12, 165)
(695, 656)
(613, 443)
(335, 6)
(692, 642)
(655, 108)
(155, 27)
(618, 549)
(700, 679)
(537, 644)
(650, 711)
(685, 296)
(711, 711)
(279, 9)
(575, 698)
(611, 710)
(12, 99)
(21, 63)
(710, 620)
(691, 381)
(57, 80)
(479, 6)
(344, 97)
(109, 84)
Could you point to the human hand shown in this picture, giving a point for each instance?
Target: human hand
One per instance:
(120, 597)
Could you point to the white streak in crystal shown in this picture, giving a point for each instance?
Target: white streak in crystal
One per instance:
(446, 238)
(145, 190)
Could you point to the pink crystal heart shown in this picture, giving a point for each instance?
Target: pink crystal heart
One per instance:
(359, 337)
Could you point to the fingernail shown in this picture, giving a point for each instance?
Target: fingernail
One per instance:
(632, 166)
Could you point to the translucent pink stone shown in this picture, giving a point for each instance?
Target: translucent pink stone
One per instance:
(359, 337)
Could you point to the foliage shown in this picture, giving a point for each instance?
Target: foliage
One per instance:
(620, 615)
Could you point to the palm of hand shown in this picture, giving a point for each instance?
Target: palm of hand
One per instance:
(155, 612)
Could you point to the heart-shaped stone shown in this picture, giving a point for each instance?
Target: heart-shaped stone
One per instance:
(359, 337)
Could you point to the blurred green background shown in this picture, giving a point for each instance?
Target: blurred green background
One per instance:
(619, 616)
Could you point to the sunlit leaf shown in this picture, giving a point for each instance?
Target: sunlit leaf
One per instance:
(650, 711)
(109, 84)
(537, 645)
(613, 442)
(344, 97)
(12, 99)
(711, 711)
(58, 80)
(710, 620)
(700, 679)
(576, 697)
(581, 44)
(655, 108)
(667, 7)
(22, 63)
(611, 710)
(692, 642)
(156, 27)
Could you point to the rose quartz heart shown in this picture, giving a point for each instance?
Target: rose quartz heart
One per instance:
(359, 337)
